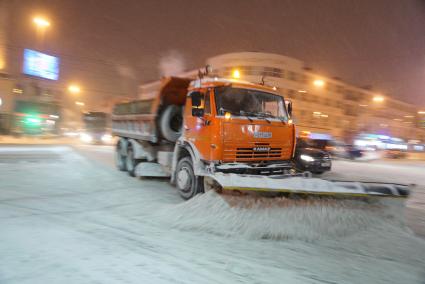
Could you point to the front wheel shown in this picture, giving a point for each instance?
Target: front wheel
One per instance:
(188, 184)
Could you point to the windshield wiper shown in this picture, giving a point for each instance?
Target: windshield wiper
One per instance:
(255, 114)
(265, 114)
(246, 114)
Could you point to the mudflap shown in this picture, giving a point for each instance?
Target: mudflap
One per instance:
(298, 186)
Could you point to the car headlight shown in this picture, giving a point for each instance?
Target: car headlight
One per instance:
(307, 158)
(86, 137)
(106, 138)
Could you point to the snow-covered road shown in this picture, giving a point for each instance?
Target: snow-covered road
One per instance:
(66, 216)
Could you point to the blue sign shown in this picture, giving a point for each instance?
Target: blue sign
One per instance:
(40, 65)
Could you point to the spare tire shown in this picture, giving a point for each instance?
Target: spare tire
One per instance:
(171, 122)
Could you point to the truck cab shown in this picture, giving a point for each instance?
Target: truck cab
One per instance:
(239, 123)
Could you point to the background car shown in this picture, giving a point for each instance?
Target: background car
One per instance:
(308, 158)
(342, 150)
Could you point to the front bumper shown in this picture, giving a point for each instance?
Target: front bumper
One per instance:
(317, 166)
(261, 169)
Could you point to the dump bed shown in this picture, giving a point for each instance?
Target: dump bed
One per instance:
(138, 119)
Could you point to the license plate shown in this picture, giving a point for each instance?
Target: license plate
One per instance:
(326, 164)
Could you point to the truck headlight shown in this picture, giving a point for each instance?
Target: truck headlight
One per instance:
(307, 158)
(86, 137)
(106, 138)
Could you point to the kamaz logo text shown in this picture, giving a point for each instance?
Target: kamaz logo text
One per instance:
(259, 134)
(261, 149)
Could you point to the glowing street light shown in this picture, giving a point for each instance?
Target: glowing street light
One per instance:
(80, 103)
(236, 74)
(74, 89)
(378, 99)
(319, 83)
(41, 22)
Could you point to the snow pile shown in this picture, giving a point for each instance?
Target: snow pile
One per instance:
(301, 220)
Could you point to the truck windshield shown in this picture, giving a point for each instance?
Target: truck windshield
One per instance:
(246, 102)
(95, 121)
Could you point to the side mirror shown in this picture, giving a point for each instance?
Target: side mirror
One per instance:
(198, 112)
(196, 99)
(289, 108)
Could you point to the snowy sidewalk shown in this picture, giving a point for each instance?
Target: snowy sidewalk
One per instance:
(66, 219)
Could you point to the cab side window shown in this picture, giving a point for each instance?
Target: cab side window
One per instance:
(207, 103)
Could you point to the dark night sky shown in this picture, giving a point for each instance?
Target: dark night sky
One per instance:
(365, 42)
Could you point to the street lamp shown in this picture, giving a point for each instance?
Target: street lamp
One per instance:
(319, 83)
(74, 89)
(236, 74)
(41, 22)
(378, 99)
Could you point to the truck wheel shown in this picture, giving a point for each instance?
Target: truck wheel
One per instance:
(171, 122)
(120, 158)
(187, 183)
(130, 161)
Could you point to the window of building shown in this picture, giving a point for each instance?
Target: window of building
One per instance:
(350, 95)
(291, 94)
(349, 110)
(292, 76)
(303, 97)
(339, 89)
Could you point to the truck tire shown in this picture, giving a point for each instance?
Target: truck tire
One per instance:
(120, 158)
(188, 184)
(130, 161)
(171, 123)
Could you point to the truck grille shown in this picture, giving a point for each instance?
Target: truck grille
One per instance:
(254, 152)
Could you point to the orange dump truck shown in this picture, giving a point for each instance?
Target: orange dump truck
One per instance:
(214, 133)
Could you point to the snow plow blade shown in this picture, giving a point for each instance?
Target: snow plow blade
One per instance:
(305, 186)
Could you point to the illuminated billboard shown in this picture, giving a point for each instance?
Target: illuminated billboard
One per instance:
(40, 65)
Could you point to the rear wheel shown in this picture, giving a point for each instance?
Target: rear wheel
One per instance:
(120, 158)
(187, 182)
(130, 161)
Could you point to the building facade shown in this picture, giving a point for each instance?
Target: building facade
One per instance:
(321, 104)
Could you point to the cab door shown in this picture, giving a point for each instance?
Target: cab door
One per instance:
(197, 129)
